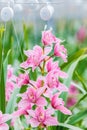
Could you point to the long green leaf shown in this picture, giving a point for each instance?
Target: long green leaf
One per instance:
(77, 117)
(74, 57)
(71, 127)
(67, 82)
(12, 102)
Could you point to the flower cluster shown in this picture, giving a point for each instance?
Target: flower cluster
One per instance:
(42, 96)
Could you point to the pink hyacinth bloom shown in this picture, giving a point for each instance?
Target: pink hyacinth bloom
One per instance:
(81, 34)
(60, 51)
(58, 104)
(33, 96)
(22, 79)
(4, 118)
(42, 117)
(47, 37)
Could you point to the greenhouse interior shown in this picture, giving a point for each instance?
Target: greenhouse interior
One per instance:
(43, 64)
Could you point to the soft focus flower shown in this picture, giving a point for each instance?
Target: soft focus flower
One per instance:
(4, 118)
(47, 37)
(9, 89)
(58, 104)
(60, 51)
(10, 82)
(81, 34)
(42, 117)
(22, 79)
(72, 96)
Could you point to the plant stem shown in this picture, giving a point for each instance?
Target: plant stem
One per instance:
(2, 84)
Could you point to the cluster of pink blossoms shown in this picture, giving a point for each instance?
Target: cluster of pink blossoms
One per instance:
(42, 97)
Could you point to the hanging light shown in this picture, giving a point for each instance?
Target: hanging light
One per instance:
(46, 12)
(18, 8)
(7, 14)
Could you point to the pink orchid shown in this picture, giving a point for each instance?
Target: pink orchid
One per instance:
(22, 79)
(60, 51)
(35, 57)
(47, 37)
(42, 117)
(34, 96)
(53, 82)
(50, 66)
(58, 104)
(4, 118)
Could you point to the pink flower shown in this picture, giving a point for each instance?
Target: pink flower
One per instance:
(81, 34)
(58, 104)
(73, 90)
(53, 82)
(50, 66)
(47, 37)
(10, 75)
(71, 101)
(42, 117)
(35, 57)
(72, 96)
(3, 119)
(60, 51)
(40, 82)
(22, 79)
(33, 96)
(9, 89)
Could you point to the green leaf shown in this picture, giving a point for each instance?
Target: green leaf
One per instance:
(71, 127)
(67, 82)
(5, 65)
(12, 102)
(81, 99)
(81, 80)
(77, 117)
(74, 57)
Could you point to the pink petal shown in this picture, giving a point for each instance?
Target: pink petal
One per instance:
(47, 50)
(49, 111)
(28, 53)
(34, 122)
(41, 101)
(62, 88)
(64, 110)
(31, 113)
(4, 127)
(24, 65)
(51, 121)
(40, 91)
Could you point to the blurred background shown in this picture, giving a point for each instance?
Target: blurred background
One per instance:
(67, 18)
